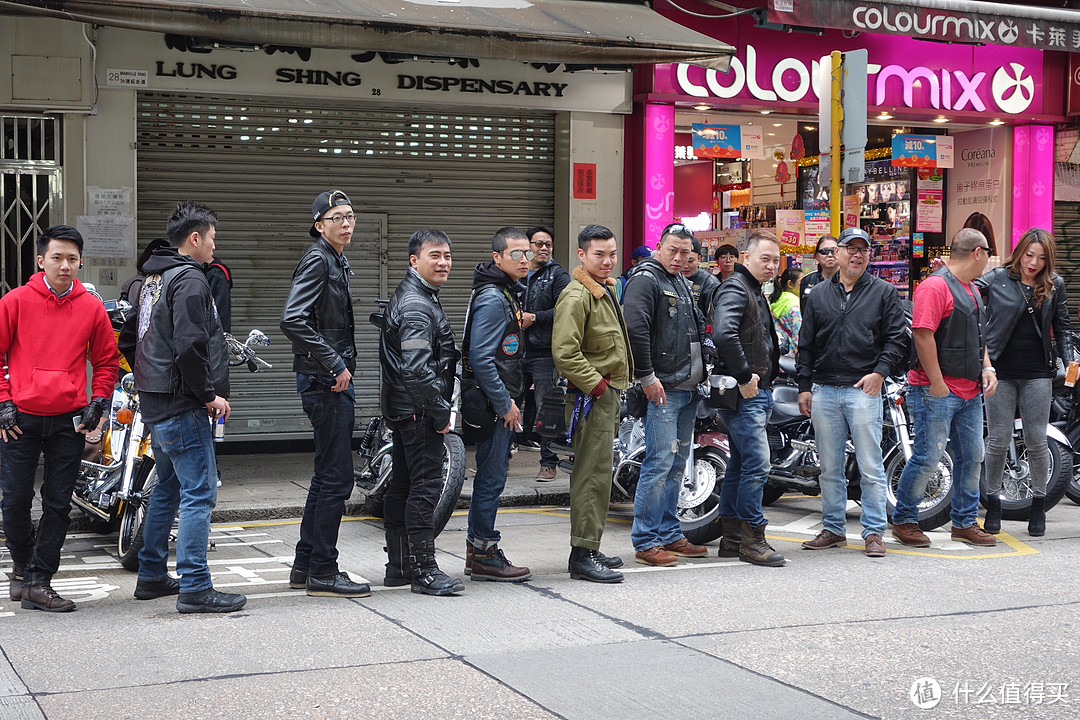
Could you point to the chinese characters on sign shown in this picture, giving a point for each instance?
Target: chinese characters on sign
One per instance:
(585, 181)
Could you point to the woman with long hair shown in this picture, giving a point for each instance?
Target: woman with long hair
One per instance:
(785, 306)
(1026, 331)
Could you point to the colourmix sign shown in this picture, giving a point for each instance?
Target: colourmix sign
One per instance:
(1040, 30)
(998, 86)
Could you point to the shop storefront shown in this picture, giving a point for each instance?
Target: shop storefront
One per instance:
(995, 106)
(111, 133)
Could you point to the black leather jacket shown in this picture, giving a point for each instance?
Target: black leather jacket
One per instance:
(318, 314)
(417, 354)
(541, 292)
(1005, 307)
(665, 326)
(744, 346)
(845, 337)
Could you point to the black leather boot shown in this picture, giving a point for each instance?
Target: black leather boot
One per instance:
(427, 578)
(729, 544)
(1037, 518)
(585, 564)
(754, 548)
(398, 570)
(992, 522)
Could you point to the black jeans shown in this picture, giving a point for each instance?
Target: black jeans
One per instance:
(333, 417)
(55, 436)
(416, 483)
(540, 372)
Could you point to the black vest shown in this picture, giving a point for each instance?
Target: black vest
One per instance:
(510, 353)
(959, 337)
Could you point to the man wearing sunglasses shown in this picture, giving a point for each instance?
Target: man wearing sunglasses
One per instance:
(492, 358)
(667, 333)
(947, 389)
(318, 319)
(853, 336)
(825, 255)
(545, 281)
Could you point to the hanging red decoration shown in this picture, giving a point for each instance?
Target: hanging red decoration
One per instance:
(724, 187)
(798, 150)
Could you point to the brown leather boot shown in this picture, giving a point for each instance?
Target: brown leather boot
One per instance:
(15, 587)
(729, 544)
(755, 550)
(491, 564)
(909, 534)
(43, 597)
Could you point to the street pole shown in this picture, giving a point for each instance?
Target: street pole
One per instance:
(836, 201)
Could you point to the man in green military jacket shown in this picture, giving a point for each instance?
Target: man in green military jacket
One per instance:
(591, 349)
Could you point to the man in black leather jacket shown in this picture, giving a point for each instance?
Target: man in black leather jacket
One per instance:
(747, 348)
(853, 337)
(418, 359)
(667, 332)
(318, 319)
(543, 284)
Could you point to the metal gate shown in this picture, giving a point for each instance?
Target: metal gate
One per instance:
(259, 162)
(30, 195)
(1067, 239)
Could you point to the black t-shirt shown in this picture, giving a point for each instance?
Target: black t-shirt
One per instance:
(1022, 356)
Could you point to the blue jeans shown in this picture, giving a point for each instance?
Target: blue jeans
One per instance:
(54, 436)
(187, 481)
(837, 412)
(941, 420)
(333, 417)
(669, 430)
(492, 455)
(748, 466)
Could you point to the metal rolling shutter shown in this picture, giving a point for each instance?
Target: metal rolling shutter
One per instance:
(1067, 239)
(259, 162)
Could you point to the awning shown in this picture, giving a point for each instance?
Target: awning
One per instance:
(962, 21)
(552, 31)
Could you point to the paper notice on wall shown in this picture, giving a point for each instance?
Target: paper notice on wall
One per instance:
(851, 211)
(929, 201)
(108, 201)
(107, 236)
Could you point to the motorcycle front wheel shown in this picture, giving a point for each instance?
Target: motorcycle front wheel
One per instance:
(936, 504)
(1016, 486)
(133, 516)
(699, 498)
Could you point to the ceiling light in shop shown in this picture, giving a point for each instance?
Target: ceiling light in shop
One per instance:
(702, 106)
(778, 124)
(884, 116)
(809, 128)
(766, 112)
(996, 122)
(941, 119)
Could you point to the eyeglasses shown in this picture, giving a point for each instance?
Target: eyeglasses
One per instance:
(858, 250)
(519, 254)
(827, 251)
(985, 248)
(338, 219)
(542, 244)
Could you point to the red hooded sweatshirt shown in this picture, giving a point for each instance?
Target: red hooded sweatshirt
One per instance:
(44, 342)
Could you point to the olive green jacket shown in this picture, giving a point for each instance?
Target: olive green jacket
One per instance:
(589, 341)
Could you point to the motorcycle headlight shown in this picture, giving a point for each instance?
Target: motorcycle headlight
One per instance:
(128, 383)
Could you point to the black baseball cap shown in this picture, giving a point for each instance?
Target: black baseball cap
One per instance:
(852, 234)
(322, 205)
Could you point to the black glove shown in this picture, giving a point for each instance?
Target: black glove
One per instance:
(90, 416)
(9, 415)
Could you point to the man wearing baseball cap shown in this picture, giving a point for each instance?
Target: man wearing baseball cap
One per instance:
(852, 338)
(318, 319)
(639, 254)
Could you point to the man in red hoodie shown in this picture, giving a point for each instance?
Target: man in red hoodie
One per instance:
(47, 327)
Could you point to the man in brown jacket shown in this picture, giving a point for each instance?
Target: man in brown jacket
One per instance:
(591, 350)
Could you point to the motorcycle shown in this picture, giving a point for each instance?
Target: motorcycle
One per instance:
(372, 474)
(114, 488)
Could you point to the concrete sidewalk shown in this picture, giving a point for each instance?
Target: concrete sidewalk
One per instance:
(274, 485)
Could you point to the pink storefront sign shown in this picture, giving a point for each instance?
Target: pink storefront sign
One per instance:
(659, 205)
(1033, 179)
(902, 73)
